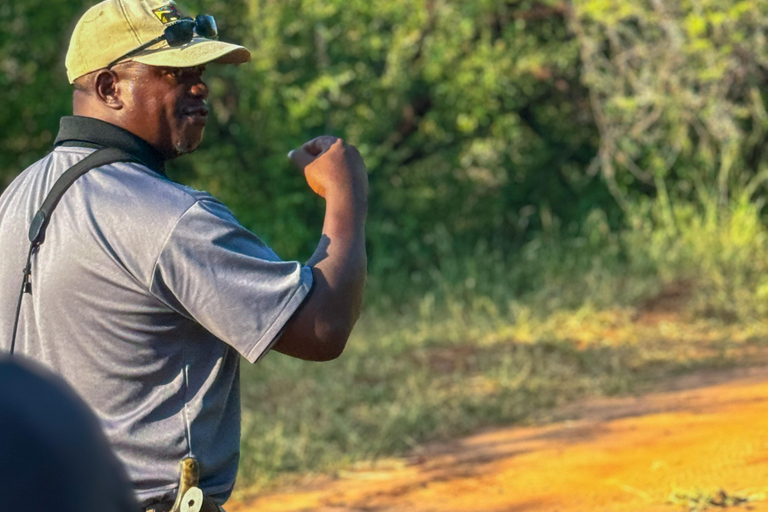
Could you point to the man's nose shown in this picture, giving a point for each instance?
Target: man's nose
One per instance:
(199, 90)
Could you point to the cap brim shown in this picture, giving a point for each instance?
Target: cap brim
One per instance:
(197, 52)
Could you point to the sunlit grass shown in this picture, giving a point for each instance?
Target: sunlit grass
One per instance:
(477, 346)
(394, 389)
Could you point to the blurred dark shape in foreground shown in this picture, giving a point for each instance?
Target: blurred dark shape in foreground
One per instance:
(53, 454)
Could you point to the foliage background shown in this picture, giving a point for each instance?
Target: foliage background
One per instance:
(482, 123)
(534, 164)
(471, 116)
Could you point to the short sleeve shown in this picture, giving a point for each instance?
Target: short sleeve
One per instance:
(214, 271)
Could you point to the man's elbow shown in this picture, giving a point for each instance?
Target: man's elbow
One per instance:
(331, 341)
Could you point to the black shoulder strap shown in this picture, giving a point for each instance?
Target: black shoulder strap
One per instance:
(95, 159)
(43, 215)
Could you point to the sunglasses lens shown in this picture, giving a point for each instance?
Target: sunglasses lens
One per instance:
(206, 26)
(180, 32)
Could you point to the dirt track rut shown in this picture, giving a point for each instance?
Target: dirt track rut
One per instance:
(703, 432)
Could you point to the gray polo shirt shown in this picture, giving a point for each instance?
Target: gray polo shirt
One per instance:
(144, 296)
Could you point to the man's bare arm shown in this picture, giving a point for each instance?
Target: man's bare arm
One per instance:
(319, 329)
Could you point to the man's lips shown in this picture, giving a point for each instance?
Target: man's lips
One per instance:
(197, 112)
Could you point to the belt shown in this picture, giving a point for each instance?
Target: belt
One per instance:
(208, 506)
(160, 507)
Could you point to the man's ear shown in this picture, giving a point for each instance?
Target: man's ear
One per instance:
(107, 89)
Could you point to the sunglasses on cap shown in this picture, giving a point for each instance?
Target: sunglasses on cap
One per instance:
(179, 33)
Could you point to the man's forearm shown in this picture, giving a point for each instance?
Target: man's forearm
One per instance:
(342, 262)
(320, 329)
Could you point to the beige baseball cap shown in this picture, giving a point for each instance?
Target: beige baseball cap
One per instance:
(112, 28)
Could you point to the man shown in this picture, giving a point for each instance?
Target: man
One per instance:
(145, 292)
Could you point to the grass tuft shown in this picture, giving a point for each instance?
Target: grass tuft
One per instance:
(698, 500)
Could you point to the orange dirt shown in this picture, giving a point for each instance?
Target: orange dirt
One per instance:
(704, 432)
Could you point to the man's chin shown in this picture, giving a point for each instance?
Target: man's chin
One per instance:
(187, 144)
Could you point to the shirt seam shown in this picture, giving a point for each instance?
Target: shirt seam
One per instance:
(160, 253)
(196, 201)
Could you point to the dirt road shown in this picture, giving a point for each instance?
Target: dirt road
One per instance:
(702, 433)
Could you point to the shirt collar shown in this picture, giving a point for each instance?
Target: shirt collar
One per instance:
(92, 132)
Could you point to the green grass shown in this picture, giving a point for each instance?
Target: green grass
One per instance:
(698, 500)
(495, 339)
